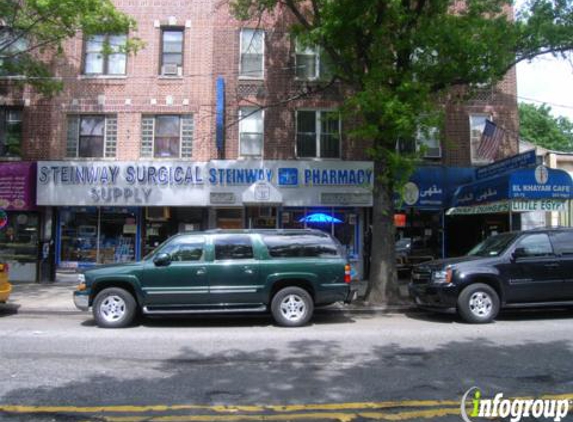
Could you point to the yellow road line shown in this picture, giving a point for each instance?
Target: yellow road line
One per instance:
(226, 409)
(325, 416)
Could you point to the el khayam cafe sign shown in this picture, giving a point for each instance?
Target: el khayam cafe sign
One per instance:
(193, 183)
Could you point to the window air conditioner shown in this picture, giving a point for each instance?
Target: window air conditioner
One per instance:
(171, 70)
(433, 153)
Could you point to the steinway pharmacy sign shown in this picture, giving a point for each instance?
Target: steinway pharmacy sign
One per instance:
(187, 183)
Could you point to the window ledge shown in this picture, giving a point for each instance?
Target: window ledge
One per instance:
(11, 159)
(317, 159)
(170, 78)
(90, 158)
(102, 77)
(165, 159)
(13, 77)
(252, 78)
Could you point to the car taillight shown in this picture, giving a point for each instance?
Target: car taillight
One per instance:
(347, 270)
(3, 268)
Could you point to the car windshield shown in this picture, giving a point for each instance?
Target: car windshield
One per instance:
(403, 243)
(493, 246)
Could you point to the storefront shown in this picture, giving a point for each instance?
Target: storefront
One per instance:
(421, 209)
(19, 220)
(495, 204)
(117, 211)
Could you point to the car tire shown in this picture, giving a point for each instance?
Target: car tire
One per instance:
(292, 307)
(478, 304)
(114, 308)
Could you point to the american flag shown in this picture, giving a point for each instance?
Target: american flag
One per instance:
(490, 141)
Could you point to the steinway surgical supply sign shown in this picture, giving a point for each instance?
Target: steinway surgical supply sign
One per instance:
(186, 183)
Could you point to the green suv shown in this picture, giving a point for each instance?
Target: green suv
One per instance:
(288, 272)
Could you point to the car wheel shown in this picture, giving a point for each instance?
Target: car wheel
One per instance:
(292, 307)
(478, 304)
(114, 308)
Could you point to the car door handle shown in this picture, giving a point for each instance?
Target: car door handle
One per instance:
(552, 265)
(201, 271)
(248, 271)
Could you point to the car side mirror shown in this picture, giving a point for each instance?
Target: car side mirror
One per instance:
(519, 253)
(162, 260)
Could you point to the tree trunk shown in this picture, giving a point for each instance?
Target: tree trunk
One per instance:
(383, 282)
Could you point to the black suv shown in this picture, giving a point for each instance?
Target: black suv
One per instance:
(510, 270)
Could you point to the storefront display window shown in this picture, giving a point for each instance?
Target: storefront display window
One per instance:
(19, 244)
(261, 217)
(97, 236)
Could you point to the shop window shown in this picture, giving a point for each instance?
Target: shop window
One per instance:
(10, 132)
(318, 134)
(19, 244)
(105, 54)
(261, 217)
(477, 125)
(13, 46)
(311, 62)
(251, 131)
(252, 53)
(229, 218)
(167, 136)
(97, 235)
(233, 247)
(171, 52)
(92, 136)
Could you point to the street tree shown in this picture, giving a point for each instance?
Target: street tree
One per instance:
(398, 61)
(32, 33)
(538, 125)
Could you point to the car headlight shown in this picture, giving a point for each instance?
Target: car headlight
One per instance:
(442, 276)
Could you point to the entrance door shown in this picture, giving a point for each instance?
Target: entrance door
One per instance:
(183, 281)
(535, 273)
(234, 274)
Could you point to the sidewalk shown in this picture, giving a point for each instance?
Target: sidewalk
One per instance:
(56, 298)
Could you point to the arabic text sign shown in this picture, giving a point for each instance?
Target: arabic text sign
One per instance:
(500, 207)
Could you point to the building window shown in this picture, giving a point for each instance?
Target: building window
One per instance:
(172, 52)
(252, 53)
(92, 136)
(167, 136)
(10, 132)
(251, 131)
(105, 55)
(311, 62)
(477, 125)
(428, 141)
(12, 47)
(318, 134)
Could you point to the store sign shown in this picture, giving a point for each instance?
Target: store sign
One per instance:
(500, 207)
(17, 186)
(547, 205)
(523, 160)
(198, 183)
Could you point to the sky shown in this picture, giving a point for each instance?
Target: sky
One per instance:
(547, 80)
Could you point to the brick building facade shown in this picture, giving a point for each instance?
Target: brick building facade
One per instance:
(159, 108)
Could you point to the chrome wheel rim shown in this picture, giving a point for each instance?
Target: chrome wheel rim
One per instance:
(481, 304)
(293, 308)
(112, 308)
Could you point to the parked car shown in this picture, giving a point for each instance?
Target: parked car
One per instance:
(510, 270)
(5, 286)
(286, 272)
(410, 252)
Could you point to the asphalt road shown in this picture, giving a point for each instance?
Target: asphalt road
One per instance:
(345, 367)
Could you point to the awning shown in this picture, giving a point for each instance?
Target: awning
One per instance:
(524, 184)
(431, 187)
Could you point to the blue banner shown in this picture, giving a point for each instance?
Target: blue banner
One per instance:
(531, 183)
(220, 114)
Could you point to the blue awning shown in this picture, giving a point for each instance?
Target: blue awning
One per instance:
(431, 187)
(526, 184)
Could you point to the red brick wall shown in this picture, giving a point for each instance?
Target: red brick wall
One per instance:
(211, 44)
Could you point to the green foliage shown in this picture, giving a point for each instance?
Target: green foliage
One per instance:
(33, 31)
(537, 125)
